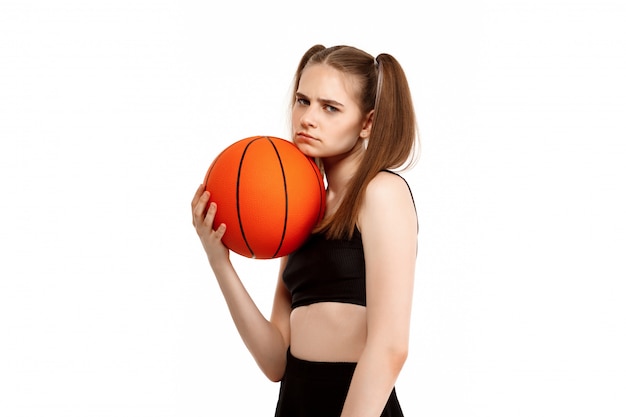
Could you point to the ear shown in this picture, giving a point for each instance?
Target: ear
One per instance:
(367, 125)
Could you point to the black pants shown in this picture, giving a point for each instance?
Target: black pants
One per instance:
(319, 389)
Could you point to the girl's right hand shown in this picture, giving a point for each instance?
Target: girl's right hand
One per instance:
(203, 217)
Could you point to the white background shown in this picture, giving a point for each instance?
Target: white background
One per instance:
(111, 112)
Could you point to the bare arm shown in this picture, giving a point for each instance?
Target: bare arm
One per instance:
(388, 225)
(267, 340)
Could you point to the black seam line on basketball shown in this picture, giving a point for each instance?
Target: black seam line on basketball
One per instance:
(282, 169)
(243, 233)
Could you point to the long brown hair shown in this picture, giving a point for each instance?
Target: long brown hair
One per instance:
(394, 137)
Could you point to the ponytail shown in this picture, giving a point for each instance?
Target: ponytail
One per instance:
(394, 136)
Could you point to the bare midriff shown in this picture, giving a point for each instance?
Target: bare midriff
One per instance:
(328, 332)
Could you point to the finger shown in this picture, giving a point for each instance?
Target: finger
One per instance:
(197, 195)
(200, 208)
(221, 230)
(210, 215)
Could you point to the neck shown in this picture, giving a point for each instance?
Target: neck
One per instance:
(339, 171)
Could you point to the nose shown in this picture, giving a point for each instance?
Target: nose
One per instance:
(307, 118)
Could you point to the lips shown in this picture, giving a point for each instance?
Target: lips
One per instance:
(304, 136)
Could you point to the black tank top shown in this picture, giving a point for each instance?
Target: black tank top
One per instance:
(324, 270)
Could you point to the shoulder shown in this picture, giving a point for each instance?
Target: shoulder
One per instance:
(388, 188)
(389, 198)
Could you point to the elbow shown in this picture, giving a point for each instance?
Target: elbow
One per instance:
(272, 362)
(396, 354)
(275, 370)
(274, 376)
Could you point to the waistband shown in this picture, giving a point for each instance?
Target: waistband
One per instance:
(314, 369)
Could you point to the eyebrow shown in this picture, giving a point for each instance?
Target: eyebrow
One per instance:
(328, 101)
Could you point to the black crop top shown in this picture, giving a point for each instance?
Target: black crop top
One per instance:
(323, 270)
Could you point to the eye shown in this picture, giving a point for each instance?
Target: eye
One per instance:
(331, 109)
(302, 101)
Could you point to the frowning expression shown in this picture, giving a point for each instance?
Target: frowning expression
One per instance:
(327, 120)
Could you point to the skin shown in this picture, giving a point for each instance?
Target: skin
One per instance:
(327, 123)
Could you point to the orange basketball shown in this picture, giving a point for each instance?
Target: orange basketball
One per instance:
(268, 193)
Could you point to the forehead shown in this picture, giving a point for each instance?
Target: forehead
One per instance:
(324, 81)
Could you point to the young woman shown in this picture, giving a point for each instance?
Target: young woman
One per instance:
(338, 333)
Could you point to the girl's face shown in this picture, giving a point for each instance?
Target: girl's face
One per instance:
(326, 118)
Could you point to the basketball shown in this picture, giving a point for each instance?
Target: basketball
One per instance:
(268, 193)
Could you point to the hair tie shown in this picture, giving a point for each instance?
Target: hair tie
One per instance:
(379, 82)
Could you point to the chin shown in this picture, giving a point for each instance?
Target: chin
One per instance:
(304, 149)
